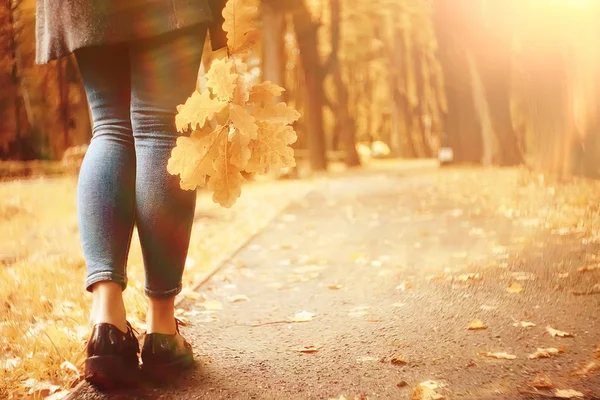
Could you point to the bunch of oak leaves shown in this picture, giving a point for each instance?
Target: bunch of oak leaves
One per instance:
(235, 126)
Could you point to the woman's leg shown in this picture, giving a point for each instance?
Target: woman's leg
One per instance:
(164, 73)
(106, 192)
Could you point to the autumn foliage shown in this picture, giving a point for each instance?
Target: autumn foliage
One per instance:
(235, 126)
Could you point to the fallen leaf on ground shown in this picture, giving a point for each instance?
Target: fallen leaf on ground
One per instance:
(211, 305)
(592, 366)
(342, 397)
(515, 287)
(488, 308)
(524, 324)
(544, 353)
(523, 276)
(589, 268)
(568, 394)
(556, 332)
(467, 277)
(192, 295)
(238, 298)
(358, 311)
(309, 349)
(68, 365)
(476, 325)
(398, 360)
(427, 391)
(362, 359)
(563, 275)
(402, 384)
(542, 382)
(40, 388)
(398, 305)
(335, 286)
(303, 316)
(404, 285)
(500, 356)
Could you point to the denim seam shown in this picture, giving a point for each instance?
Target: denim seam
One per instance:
(105, 276)
(164, 293)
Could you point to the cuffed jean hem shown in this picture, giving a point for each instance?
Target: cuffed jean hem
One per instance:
(165, 294)
(105, 276)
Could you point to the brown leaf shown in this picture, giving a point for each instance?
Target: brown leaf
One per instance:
(398, 359)
(309, 349)
(476, 325)
(589, 268)
(220, 80)
(542, 382)
(556, 332)
(568, 394)
(544, 353)
(515, 287)
(500, 356)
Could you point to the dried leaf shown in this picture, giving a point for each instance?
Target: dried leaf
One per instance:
(239, 25)
(567, 394)
(277, 113)
(266, 92)
(40, 388)
(476, 325)
(303, 316)
(427, 391)
(238, 298)
(542, 382)
(404, 285)
(270, 148)
(589, 268)
(197, 110)
(58, 395)
(220, 80)
(500, 356)
(563, 275)
(592, 366)
(226, 183)
(244, 123)
(544, 353)
(524, 324)
(398, 359)
(68, 365)
(192, 158)
(240, 152)
(556, 332)
(309, 349)
(515, 287)
(241, 93)
(335, 286)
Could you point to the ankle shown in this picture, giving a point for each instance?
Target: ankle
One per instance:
(108, 306)
(161, 316)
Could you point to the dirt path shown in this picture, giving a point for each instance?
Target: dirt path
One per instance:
(394, 268)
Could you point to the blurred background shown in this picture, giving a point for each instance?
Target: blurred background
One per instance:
(496, 82)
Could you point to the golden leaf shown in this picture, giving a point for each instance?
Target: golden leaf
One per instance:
(427, 391)
(515, 287)
(192, 158)
(335, 286)
(239, 25)
(524, 324)
(476, 325)
(500, 356)
(239, 298)
(544, 353)
(308, 349)
(240, 152)
(198, 109)
(556, 332)
(243, 121)
(542, 382)
(241, 93)
(568, 394)
(266, 92)
(303, 316)
(226, 183)
(277, 113)
(270, 148)
(211, 305)
(220, 80)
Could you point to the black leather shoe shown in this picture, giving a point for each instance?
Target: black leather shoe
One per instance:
(112, 357)
(164, 355)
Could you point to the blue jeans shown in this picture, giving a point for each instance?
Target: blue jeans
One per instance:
(133, 90)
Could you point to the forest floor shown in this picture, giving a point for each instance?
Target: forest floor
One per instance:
(366, 283)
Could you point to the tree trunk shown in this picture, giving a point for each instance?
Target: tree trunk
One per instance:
(273, 45)
(306, 35)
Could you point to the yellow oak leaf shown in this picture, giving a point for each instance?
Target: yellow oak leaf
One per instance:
(555, 332)
(500, 356)
(220, 80)
(226, 183)
(241, 93)
(240, 152)
(277, 113)
(544, 353)
(270, 148)
(568, 394)
(198, 109)
(244, 123)
(192, 158)
(239, 24)
(266, 92)
(476, 325)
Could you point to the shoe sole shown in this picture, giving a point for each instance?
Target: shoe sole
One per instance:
(109, 373)
(161, 373)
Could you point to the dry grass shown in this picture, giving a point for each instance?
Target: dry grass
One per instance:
(43, 307)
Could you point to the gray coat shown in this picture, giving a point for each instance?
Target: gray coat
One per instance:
(67, 25)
